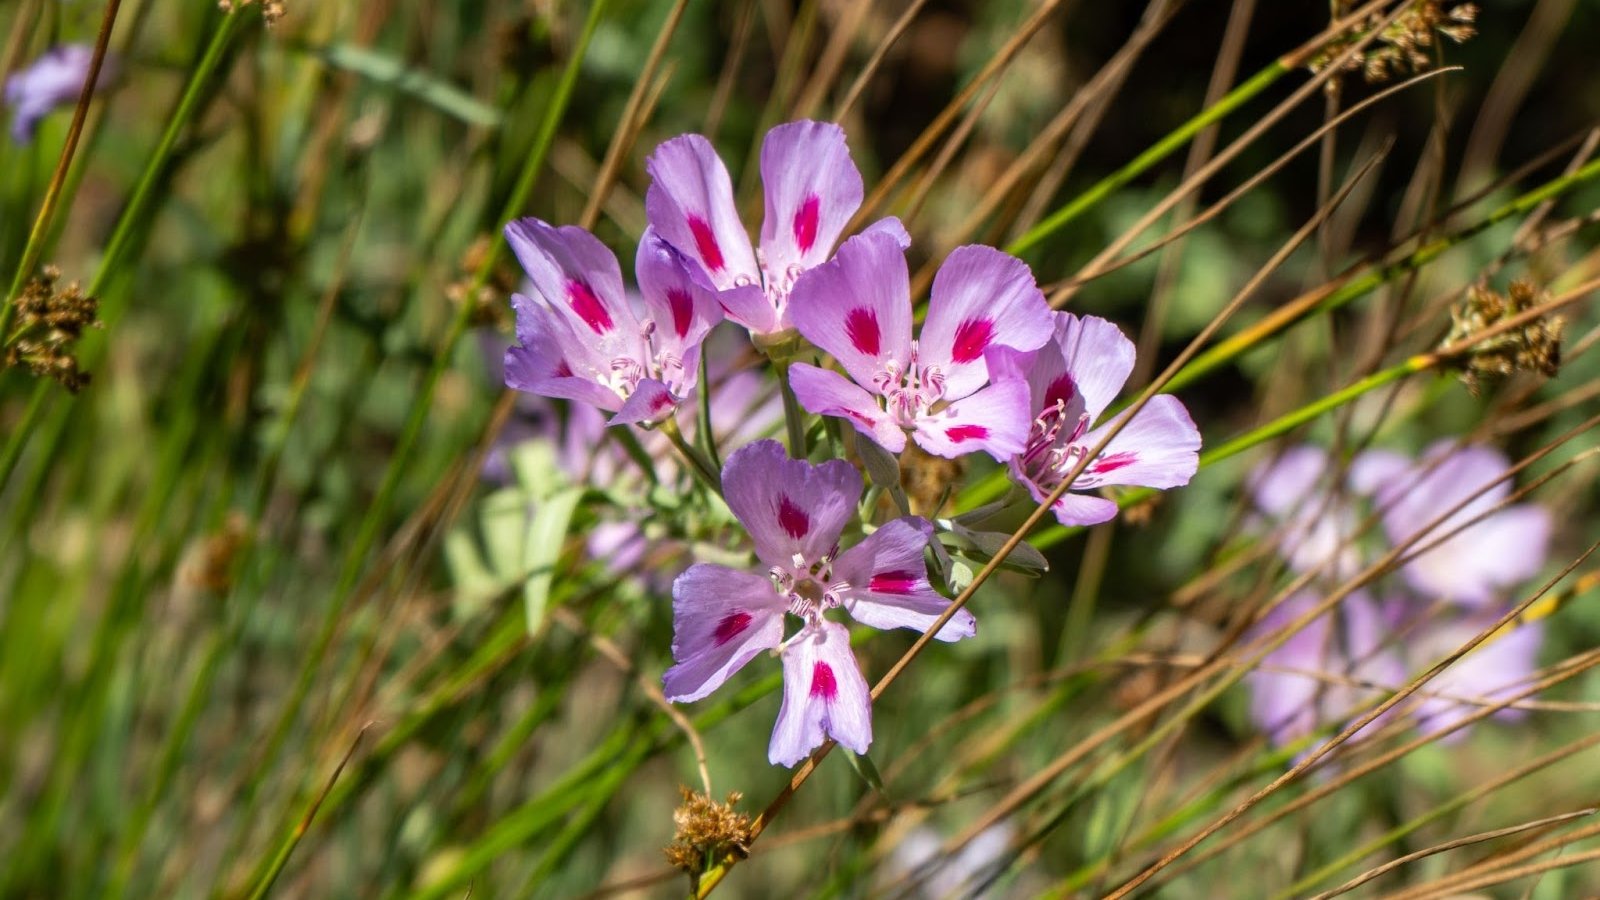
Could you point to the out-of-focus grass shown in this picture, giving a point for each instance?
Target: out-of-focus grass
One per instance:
(223, 566)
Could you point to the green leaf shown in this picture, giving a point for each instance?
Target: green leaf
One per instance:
(392, 72)
(1023, 557)
(548, 532)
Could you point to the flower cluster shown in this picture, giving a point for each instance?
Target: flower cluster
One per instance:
(1465, 553)
(992, 369)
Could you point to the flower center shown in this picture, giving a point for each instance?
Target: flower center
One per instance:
(651, 362)
(1056, 447)
(809, 586)
(909, 392)
(776, 285)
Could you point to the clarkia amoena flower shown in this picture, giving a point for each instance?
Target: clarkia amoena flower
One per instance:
(1325, 671)
(858, 308)
(722, 618)
(812, 190)
(579, 337)
(1313, 524)
(1497, 668)
(1070, 381)
(1475, 566)
(54, 79)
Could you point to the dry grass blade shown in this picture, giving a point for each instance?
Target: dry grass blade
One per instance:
(633, 117)
(924, 142)
(1457, 889)
(1313, 757)
(833, 54)
(878, 55)
(1466, 841)
(1090, 98)
(1025, 791)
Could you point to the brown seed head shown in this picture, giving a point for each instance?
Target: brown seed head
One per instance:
(706, 830)
(1532, 347)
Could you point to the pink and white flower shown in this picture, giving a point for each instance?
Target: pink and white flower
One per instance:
(938, 388)
(1475, 566)
(812, 190)
(723, 618)
(1070, 382)
(579, 338)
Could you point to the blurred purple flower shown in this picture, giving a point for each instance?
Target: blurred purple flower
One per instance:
(579, 338)
(1477, 565)
(1313, 524)
(52, 80)
(918, 858)
(812, 190)
(858, 309)
(1069, 384)
(1315, 677)
(1497, 668)
(722, 618)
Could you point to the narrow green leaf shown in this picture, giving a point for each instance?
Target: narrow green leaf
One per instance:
(548, 532)
(391, 72)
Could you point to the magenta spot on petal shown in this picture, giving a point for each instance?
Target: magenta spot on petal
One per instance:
(731, 626)
(682, 310)
(563, 370)
(823, 684)
(966, 433)
(972, 338)
(588, 306)
(706, 242)
(861, 325)
(1061, 390)
(1113, 462)
(793, 519)
(805, 222)
(894, 583)
(662, 401)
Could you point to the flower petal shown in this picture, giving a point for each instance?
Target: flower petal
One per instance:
(857, 306)
(683, 309)
(576, 274)
(554, 361)
(995, 420)
(824, 695)
(981, 298)
(812, 190)
(889, 586)
(893, 227)
(1160, 448)
(1070, 508)
(826, 393)
(721, 619)
(690, 204)
(1477, 565)
(1098, 358)
(789, 505)
(1285, 483)
(651, 401)
(1474, 565)
(1498, 668)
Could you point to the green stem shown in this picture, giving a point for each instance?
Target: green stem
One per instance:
(794, 421)
(699, 464)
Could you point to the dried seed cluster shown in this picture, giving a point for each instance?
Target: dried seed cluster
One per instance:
(271, 10)
(1402, 47)
(1531, 347)
(706, 830)
(49, 321)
